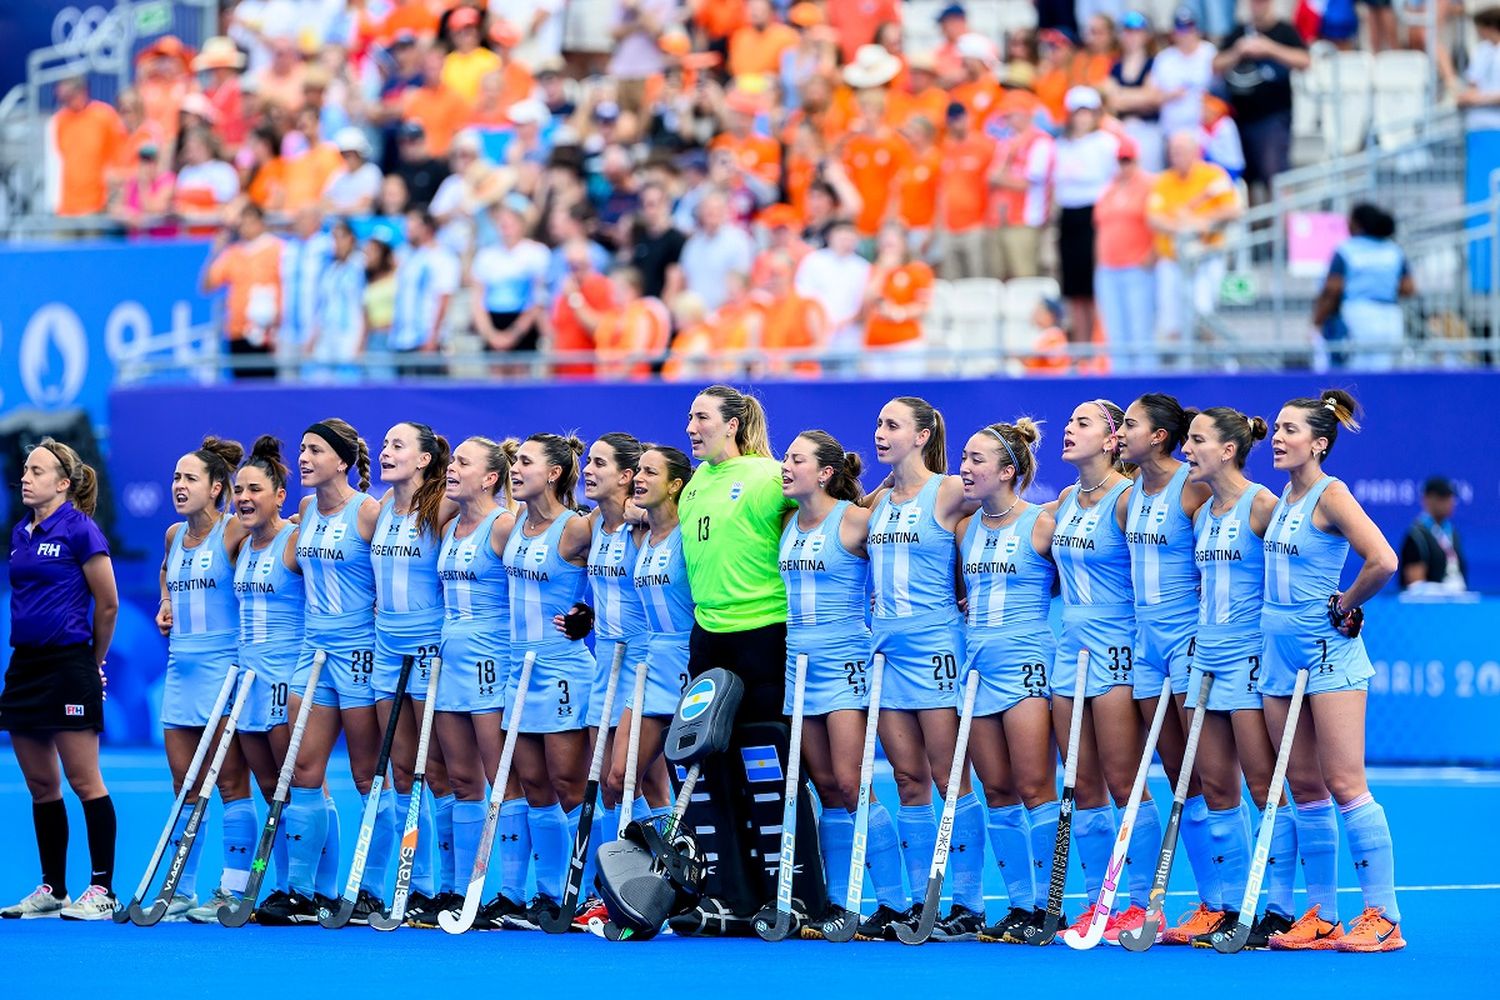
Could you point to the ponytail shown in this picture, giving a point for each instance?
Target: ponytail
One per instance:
(928, 418)
(83, 481)
(753, 435)
(220, 457)
(1234, 427)
(1334, 408)
(844, 483)
(427, 499)
(265, 455)
(1019, 443)
(563, 452)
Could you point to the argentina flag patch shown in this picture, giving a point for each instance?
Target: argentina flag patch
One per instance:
(761, 764)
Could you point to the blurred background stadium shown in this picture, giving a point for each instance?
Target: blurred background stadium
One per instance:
(548, 214)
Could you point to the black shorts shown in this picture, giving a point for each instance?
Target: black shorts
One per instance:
(757, 656)
(52, 687)
(526, 345)
(1075, 252)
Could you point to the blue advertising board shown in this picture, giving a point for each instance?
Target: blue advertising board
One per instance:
(74, 313)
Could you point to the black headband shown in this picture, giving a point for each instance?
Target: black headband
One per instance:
(342, 448)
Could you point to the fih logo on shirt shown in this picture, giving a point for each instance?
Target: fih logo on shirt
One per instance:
(52, 549)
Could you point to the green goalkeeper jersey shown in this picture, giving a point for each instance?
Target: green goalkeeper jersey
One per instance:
(732, 515)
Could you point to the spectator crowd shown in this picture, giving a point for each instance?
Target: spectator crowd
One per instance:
(736, 183)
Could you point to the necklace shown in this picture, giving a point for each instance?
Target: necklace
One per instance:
(1095, 487)
(1000, 516)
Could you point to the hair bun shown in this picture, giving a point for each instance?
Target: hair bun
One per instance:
(266, 446)
(512, 449)
(1029, 431)
(230, 451)
(575, 444)
(1258, 428)
(853, 465)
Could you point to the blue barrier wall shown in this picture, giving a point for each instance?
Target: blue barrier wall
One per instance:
(72, 313)
(1437, 682)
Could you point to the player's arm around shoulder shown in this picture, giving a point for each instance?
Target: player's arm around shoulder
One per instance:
(855, 530)
(500, 531)
(1041, 532)
(368, 517)
(951, 506)
(573, 546)
(1261, 510)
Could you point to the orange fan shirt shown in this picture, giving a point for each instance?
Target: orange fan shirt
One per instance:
(902, 286)
(86, 142)
(757, 154)
(752, 51)
(918, 189)
(568, 331)
(307, 175)
(441, 112)
(872, 162)
(793, 323)
(639, 327)
(965, 193)
(248, 269)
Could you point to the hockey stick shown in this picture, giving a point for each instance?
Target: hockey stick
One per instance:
(189, 778)
(574, 886)
(457, 923)
(1105, 905)
(781, 926)
(930, 904)
(190, 832)
(1234, 940)
(842, 926)
(632, 749)
(1052, 920)
(1143, 937)
(238, 914)
(408, 856)
(334, 919)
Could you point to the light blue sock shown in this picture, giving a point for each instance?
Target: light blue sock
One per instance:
(918, 828)
(1094, 833)
(1248, 818)
(1140, 856)
(1010, 839)
(442, 839)
(966, 861)
(240, 830)
(187, 884)
(1195, 842)
(1231, 854)
(883, 859)
(515, 849)
(305, 826)
(658, 813)
(1374, 856)
(640, 809)
(1318, 843)
(599, 833)
(279, 857)
(1281, 863)
(1043, 820)
(468, 827)
(549, 847)
(382, 843)
(609, 821)
(836, 836)
(328, 864)
(422, 880)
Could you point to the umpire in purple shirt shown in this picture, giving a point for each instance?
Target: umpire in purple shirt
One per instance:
(52, 703)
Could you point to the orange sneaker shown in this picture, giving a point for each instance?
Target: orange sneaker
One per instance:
(1132, 919)
(1081, 925)
(1309, 933)
(1372, 932)
(1200, 921)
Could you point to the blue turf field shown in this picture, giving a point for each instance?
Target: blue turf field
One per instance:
(1443, 822)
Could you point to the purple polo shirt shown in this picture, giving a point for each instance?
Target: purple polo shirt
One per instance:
(49, 598)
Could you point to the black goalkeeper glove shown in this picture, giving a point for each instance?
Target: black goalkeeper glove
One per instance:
(1347, 623)
(578, 621)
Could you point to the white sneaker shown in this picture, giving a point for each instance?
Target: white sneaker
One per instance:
(98, 903)
(41, 903)
(208, 913)
(177, 909)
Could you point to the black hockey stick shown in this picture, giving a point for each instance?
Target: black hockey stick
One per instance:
(238, 913)
(334, 919)
(1052, 919)
(906, 933)
(390, 921)
(574, 886)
